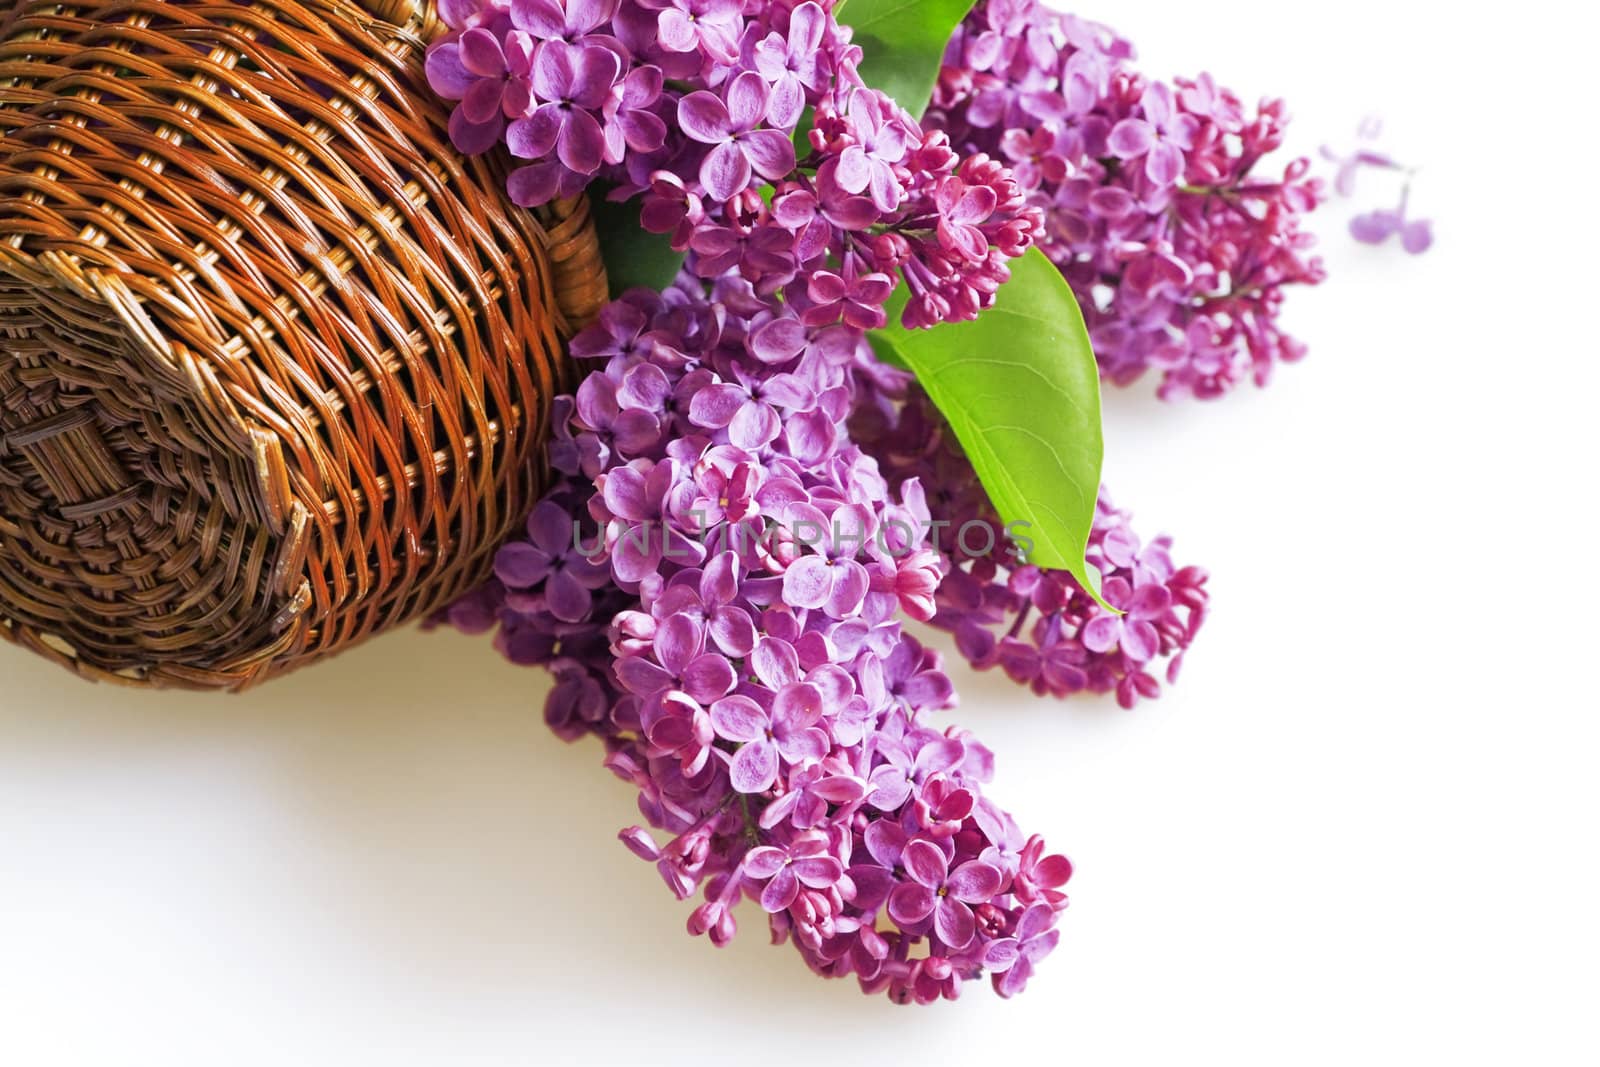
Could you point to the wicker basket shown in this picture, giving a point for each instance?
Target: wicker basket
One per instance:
(275, 362)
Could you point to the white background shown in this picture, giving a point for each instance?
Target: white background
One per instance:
(1363, 824)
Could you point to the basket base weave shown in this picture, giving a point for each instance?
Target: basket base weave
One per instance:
(275, 364)
(120, 500)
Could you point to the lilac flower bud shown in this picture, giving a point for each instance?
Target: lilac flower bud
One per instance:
(640, 843)
(723, 930)
(704, 918)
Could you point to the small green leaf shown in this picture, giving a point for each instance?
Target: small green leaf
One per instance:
(633, 255)
(904, 42)
(882, 347)
(1021, 391)
(802, 132)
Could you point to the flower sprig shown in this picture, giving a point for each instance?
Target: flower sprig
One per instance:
(1156, 209)
(755, 685)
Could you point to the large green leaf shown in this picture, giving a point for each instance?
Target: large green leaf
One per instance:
(904, 43)
(1020, 388)
(633, 255)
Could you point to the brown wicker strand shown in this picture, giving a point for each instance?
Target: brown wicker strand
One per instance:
(275, 363)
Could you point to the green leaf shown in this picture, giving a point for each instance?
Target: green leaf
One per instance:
(802, 132)
(904, 42)
(882, 346)
(633, 255)
(1021, 391)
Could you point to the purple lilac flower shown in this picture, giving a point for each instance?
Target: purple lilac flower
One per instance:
(829, 576)
(572, 83)
(856, 298)
(788, 730)
(731, 124)
(1013, 957)
(1160, 138)
(934, 889)
(551, 559)
(867, 164)
(749, 405)
(570, 21)
(786, 869)
(1134, 631)
(1376, 227)
(711, 26)
(791, 63)
(629, 122)
(680, 661)
(490, 75)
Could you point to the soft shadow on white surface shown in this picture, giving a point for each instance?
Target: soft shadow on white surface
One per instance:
(391, 843)
(431, 827)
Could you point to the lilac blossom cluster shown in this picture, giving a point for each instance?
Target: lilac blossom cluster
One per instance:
(1037, 625)
(756, 686)
(1178, 251)
(759, 691)
(693, 106)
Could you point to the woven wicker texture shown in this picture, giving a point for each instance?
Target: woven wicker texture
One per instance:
(275, 362)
